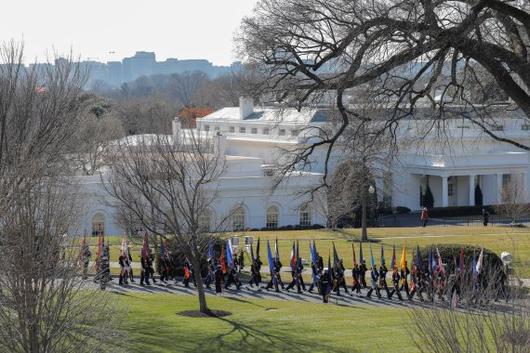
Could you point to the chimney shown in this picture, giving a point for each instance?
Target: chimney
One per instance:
(246, 107)
(220, 144)
(177, 126)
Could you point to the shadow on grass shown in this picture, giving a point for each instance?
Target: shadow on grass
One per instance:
(254, 339)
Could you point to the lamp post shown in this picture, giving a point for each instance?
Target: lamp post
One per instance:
(364, 202)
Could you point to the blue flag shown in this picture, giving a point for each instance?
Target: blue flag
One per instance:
(419, 262)
(210, 250)
(269, 258)
(229, 254)
(372, 258)
(382, 254)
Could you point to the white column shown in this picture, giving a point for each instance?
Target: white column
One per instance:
(499, 188)
(445, 192)
(472, 190)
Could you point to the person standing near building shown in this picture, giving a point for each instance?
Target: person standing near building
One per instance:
(485, 217)
(424, 216)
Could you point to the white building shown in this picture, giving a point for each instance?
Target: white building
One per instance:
(253, 140)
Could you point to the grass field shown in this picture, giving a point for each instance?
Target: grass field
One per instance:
(498, 239)
(262, 326)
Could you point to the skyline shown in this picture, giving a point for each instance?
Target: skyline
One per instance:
(125, 27)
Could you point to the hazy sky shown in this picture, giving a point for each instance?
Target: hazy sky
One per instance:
(183, 29)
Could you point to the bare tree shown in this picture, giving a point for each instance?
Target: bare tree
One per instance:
(409, 51)
(45, 306)
(97, 129)
(514, 202)
(169, 186)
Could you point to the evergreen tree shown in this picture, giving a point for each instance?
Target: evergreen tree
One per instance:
(428, 198)
(478, 196)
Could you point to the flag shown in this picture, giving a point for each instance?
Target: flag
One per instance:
(432, 262)
(361, 258)
(314, 252)
(335, 256)
(403, 260)
(145, 246)
(252, 258)
(419, 260)
(393, 261)
(441, 267)
(461, 261)
(269, 257)
(353, 253)
(474, 272)
(257, 250)
(293, 258)
(123, 247)
(330, 276)
(276, 249)
(229, 254)
(222, 259)
(382, 254)
(162, 248)
(210, 250)
(298, 258)
(372, 258)
(480, 260)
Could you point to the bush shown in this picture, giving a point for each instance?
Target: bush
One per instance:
(428, 198)
(399, 210)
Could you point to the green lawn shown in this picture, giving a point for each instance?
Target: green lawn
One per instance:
(498, 239)
(262, 326)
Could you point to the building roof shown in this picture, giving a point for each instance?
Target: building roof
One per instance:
(269, 114)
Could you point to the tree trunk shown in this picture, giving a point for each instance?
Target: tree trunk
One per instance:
(364, 234)
(196, 263)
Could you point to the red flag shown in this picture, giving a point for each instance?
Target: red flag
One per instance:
(293, 258)
(222, 260)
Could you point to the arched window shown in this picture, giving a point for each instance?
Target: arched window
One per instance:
(238, 219)
(272, 217)
(305, 216)
(205, 221)
(98, 224)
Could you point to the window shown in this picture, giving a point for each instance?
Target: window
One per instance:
(272, 217)
(266, 131)
(217, 128)
(206, 127)
(232, 129)
(254, 131)
(451, 186)
(242, 130)
(525, 127)
(98, 224)
(238, 219)
(305, 216)
(506, 180)
(295, 133)
(282, 132)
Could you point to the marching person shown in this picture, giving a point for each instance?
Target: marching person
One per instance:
(255, 274)
(151, 270)
(188, 273)
(316, 269)
(124, 274)
(276, 279)
(404, 280)
(84, 256)
(144, 273)
(374, 274)
(339, 277)
(355, 272)
(233, 277)
(219, 279)
(325, 284)
(362, 273)
(383, 270)
(104, 275)
(210, 277)
(395, 284)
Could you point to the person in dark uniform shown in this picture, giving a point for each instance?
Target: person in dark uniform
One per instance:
(233, 278)
(297, 277)
(219, 276)
(395, 284)
(144, 273)
(84, 256)
(355, 272)
(255, 272)
(187, 273)
(339, 277)
(485, 217)
(325, 285)
(241, 260)
(417, 285)
(276, 279)
(374, 274)
(164, 269)
(104, 275)
(317, 269)
(210, 277)
(383, 270)
(124, 274)
(405, 272)
(362, 273)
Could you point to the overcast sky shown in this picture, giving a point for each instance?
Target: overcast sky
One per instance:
(184, 29)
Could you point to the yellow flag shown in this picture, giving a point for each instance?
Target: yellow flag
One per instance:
(403, 260)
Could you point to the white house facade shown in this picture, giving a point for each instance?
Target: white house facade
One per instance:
(254, 140)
